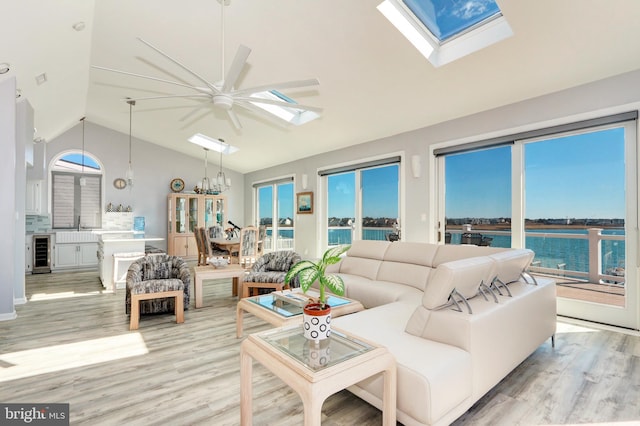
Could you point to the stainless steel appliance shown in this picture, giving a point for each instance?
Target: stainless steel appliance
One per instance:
(41, 254)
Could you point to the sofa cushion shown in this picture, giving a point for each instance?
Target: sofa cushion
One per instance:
(407, 263)
(375, 293)
(511, 263)
(433, 378)
(363, 258)
(368, 249)
(450, 252)
(464, 275)
(413, 253)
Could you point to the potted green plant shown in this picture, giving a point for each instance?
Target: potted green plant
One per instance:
(317, 316)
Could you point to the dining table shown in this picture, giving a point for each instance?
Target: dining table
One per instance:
(229, 245)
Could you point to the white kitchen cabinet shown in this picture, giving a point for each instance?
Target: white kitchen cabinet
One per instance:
(33, 201)
(75, 255)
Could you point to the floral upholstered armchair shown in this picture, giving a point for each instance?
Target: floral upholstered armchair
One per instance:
(269, 271)
(157, 273)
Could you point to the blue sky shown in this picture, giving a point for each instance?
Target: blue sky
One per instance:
(379, 195)
(578, 176)
(445, 18)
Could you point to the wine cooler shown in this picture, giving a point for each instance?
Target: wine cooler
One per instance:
(41, 254)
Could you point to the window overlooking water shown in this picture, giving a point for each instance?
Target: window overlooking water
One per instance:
(573, 184)
(275, 200)
(478, 197)
(363, 203)
(567, 193)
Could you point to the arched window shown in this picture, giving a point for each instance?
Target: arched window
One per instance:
(76, 191)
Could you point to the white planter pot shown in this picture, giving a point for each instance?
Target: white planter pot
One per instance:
(316, 321)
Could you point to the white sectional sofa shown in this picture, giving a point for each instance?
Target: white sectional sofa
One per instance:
(447, 358)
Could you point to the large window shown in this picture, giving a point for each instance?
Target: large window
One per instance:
(478, 197)
(76, 192)
(569, 194)
(275, 200)
(363, 203)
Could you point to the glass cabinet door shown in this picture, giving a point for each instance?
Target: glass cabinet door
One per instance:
(193, 214)
(209, 212)
(220, 219)
(181, 215)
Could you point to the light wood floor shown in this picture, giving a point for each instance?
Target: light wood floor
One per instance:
(71, 343)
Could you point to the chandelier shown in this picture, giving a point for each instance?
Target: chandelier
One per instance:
(221, 182)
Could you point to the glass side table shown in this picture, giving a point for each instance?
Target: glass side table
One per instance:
(280, 313)
(315, 371)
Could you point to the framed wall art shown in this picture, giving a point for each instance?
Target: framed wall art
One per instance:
(304, 202)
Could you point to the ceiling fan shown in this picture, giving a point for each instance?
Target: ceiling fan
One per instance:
(225, 96)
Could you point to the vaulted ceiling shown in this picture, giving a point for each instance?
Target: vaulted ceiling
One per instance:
(373, 83)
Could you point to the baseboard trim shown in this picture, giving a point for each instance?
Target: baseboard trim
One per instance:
(8, 316)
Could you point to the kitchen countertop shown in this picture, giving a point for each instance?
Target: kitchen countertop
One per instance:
(128, 236)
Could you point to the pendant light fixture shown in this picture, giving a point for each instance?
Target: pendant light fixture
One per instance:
(129, 174)
(221, 183)
(83, 180)
(206, 184)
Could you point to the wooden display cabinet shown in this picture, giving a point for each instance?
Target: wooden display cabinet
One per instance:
(187, 212)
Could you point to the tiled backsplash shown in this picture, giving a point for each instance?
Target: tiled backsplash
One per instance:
(36, 224)
(117, 220)
(110, 220)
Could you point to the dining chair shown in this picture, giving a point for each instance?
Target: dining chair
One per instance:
(203, 253)
(248, 251)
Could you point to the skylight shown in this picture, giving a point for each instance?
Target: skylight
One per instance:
(445, 30)
(291, 115)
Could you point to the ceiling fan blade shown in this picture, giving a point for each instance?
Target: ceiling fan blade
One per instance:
(184, 67)
(147, 98)
(278, 86)
(234, 119)
(194, 111)
(236, 68)
(278, 103)
(199, 89)
(194, 119)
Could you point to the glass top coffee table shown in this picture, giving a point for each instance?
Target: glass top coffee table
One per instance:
(315, 370)
(279, 312)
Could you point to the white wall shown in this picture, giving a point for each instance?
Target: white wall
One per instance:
(24, 142)
(154, 168)
(7, 194)
(615, 94)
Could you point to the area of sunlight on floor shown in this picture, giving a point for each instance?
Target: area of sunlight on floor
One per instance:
(38, 297)
(49, 359)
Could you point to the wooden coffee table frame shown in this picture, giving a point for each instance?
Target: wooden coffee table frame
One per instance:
(315, 386)
(273, 318)
(201, 273)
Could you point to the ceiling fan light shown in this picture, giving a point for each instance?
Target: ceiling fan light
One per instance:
(223, 101)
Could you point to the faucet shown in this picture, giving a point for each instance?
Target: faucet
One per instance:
(78, 223)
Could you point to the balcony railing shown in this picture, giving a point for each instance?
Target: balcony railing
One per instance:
(590, 263)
